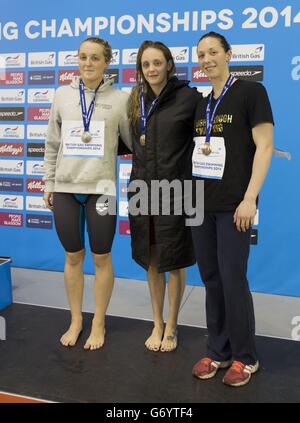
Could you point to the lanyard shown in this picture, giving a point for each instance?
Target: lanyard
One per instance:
(210, 118)
(86, 115)
(143, 111)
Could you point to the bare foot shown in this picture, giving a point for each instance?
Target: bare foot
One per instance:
(69, 338)
(153, 343)
(169, 343)
(96, 338)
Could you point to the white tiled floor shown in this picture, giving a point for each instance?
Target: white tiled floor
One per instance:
(130, 298)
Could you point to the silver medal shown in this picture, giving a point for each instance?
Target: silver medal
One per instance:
(86, 137)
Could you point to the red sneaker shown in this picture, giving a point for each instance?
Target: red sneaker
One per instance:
(239, 373)
(207, 368)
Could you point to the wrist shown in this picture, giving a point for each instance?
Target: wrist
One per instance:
(250, 198)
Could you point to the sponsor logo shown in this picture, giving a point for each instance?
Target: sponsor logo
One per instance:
(125, 171)
(13, 78)
(126, 157)
(112, 73)
(68, 58)
(180, 54)
(41, 59)
(41, 77)
(12, 131)
(123, 208)
(12, 96)
(254, 236)
(65, 77)
(129, 76)
(11, 184)
(11, 219)
(102, 206)
(13, 60)
(124, 228)
(35, 168)
(115, 60)
(35, 185)
(250, 73)
(37, 114)
(76, 132)
(39, 221)
(248, 53)
(12, 113)
(12, 166)
(35, 150)
(12, 149)
(182, 73)
(14, 202)
(41, 95)
(36, 132)
(35, 203)
(123, 190)
(198, 75)
(129, 56)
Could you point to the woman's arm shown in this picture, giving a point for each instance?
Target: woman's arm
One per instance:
(263, 139)
(52, 145)
(125, 139)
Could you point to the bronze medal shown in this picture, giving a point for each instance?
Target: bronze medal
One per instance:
(206, 150)
(143, 139)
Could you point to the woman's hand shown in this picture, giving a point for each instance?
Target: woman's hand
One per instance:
(244, 215)
(48, 199)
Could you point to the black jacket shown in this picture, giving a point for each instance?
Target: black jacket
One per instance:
(165, 155)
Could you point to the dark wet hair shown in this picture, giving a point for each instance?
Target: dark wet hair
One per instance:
(107, 51)
(224, 43)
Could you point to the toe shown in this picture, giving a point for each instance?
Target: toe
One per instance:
(64, 342)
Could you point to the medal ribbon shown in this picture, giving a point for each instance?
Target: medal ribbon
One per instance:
(210, 118)
(143, 110)
(86, 115)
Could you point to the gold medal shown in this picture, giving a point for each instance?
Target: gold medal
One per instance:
(206, 150)
(143, 139)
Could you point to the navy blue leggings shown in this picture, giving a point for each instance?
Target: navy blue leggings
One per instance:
(222, 255)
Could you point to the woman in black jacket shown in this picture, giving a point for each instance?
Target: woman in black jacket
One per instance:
(161, 112)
